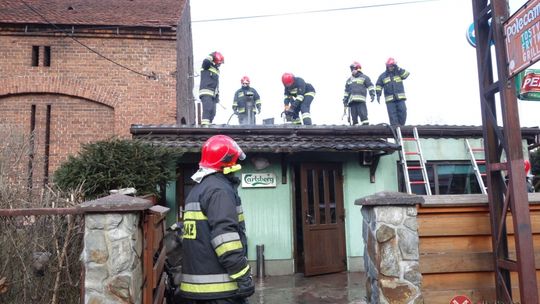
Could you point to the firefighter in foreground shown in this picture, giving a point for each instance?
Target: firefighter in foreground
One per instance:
(209, 86)
(246, 99)
(391, 81)
(298, 98)
(215, 268)
(356, 89)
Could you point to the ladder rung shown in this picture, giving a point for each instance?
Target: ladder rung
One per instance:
(417, 182)
(415, 168)
(409, 138)
(483, 174)
(480, 161)
(411, 153)
(477, 150)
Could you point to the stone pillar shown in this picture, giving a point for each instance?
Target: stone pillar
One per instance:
(112, 253)
(390, 233)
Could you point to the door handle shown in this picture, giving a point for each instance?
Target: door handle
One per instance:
(309, 218)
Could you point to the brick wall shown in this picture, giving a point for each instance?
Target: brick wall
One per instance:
(90, 97)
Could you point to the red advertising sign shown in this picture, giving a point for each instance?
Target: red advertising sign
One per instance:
(522, 37)
(460, 300)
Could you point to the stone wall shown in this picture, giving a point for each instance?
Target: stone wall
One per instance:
(390, 233)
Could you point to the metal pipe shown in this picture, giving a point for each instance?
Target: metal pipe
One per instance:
(260, 261)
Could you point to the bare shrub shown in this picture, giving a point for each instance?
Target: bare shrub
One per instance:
(39, 256)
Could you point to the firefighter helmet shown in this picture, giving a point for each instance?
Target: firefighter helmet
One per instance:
(218, 58)
(355, 66)
(219, 152)
(287, 79)
(391, 61)
(527, 164)
(245, 80)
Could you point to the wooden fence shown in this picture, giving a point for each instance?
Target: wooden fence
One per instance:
(455, 247)
(154, 255)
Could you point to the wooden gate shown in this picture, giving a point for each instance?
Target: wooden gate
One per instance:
(154, 255)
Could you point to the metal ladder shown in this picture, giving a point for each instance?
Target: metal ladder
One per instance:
(475, 164)
(406, 168)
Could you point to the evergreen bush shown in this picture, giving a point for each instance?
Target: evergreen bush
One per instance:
(117, 163)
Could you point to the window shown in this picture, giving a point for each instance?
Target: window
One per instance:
(35, 55)
(47, 56)
(445, 178)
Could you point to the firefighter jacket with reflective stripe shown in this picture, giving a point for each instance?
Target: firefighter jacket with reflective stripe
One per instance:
(214, 239)
(296, 92)
(242, 96)
(392, 83)
(357, 87)
(209, 84)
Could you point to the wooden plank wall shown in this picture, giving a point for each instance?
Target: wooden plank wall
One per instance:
(455, 247)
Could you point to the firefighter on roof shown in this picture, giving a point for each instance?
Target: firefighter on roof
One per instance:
(209, 86)
(246, 99)
(356, 89)
(215, 268)
(298, 97)
(391, 81)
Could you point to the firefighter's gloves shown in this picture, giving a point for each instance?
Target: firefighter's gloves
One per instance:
(373, 98)
(379, 98)
(246, 286)
(217, 98)
(235, 111)
(345, 101)
(258, 111)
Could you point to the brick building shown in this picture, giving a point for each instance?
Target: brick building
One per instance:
(78, 71)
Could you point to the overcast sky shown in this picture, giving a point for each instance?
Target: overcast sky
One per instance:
(426, 38)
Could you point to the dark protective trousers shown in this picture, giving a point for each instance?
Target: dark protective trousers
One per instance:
(304, 109)
(208, 109)
(397, 112)
(359, 109)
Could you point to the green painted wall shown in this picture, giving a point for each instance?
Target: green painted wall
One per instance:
(268, 214)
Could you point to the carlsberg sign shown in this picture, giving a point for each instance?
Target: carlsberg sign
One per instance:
(258, 180)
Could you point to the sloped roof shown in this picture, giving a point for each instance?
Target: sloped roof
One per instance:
(292, 138)
(146, 13)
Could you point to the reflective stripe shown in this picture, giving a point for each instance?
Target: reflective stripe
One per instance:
(299, 98)
(401, 95)
(389, 98)
(397, 78)
(386, 80)
(224, 248)
(206, 278)
(258, 101)
(365, 121)
(205, 122)
(310, 94)
(226, 237)
(358, 80)
(214, 70)
(306, 115)
(293, 91)
(241, 217)
(370, 88)
(358, 98)
(405, 74)
(208, 288)
(193, 206)
(240, 273)
(297, 121)
(378, 88)
(206, 92)
(194, 215)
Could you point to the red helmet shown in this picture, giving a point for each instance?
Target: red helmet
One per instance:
(527, 164)
(218, 58)
(390, 61)
(245, 80)
(355, 66)
(220, 151)
(287, 79)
